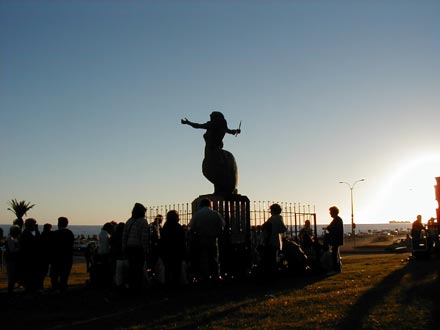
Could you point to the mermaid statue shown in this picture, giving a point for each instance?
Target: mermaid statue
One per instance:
(219, 165)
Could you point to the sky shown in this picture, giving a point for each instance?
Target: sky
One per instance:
(92, 94)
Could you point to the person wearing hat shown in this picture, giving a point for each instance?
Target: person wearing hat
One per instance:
(135, 245)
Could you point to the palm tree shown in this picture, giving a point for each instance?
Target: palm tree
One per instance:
(19, 208)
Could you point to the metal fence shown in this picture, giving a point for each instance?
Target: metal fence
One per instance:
(294, 215)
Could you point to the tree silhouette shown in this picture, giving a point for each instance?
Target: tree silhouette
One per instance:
(19, 208)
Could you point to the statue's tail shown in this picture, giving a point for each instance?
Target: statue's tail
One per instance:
(220, 168)
(231, 176)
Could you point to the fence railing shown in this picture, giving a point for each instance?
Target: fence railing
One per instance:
(294, 215)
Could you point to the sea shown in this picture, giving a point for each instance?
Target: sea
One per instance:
(89, 230)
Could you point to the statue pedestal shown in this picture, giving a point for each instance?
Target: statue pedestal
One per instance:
(235, 244)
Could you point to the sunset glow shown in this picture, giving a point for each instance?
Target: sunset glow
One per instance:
(408, 191)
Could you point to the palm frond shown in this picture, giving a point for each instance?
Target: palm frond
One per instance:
(19, 208)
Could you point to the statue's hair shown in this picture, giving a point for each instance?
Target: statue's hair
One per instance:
(218, 119)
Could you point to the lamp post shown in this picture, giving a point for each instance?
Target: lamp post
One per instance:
(351, 186)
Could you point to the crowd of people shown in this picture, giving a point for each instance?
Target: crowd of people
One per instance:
(133, 253)
(31, 256)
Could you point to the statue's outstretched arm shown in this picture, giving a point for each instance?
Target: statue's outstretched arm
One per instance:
(185, 121)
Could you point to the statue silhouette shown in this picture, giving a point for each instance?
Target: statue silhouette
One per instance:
(219, 165)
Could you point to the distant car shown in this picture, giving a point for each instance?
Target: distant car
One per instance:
(399, 246)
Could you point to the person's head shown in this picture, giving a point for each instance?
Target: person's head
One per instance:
(419, 218)
(14, 231)
(275, 208)
(30, 224)
(334, 211)
(108, 227)
(158, 219)
(173, 216)
(307, 223)
(205, 202)
(138, 211)
(62, 222)
(47, 227)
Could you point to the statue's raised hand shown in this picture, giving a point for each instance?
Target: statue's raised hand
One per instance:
(184, 121)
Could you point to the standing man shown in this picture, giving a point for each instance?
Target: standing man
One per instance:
(206, 226)
(336, 237)
(273, 229)
(417, 227)
(62, 255)
(135, 246)
(416, 232)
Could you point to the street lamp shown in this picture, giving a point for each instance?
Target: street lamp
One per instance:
(351, 186)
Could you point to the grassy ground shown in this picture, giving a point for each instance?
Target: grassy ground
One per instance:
(374, 291)
(78, 276)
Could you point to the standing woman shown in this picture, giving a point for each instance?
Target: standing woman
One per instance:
(135, 246)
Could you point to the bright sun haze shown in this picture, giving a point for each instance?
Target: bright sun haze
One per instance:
(409, 190)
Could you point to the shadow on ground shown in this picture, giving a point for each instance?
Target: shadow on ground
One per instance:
(83, 308)
(421, 290)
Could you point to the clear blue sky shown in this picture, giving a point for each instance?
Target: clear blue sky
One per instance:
(92, 93)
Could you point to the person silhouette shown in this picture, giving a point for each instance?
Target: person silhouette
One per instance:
(336, 237)
(273, 230)
(62, 255)
(219, 165)
(417, 229)
(206, 227)
(173, 248)
(135, 246)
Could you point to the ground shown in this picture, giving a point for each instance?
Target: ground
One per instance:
(376, 290)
